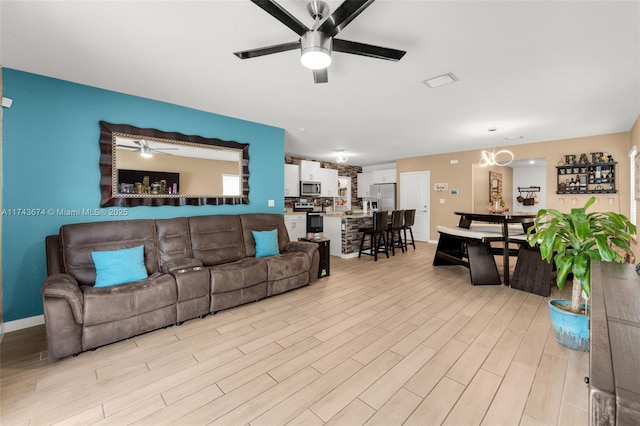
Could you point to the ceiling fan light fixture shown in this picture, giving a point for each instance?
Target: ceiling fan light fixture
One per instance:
(145, 152)
(341, 156)
(316, 50)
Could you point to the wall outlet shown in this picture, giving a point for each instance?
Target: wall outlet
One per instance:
(441, 200)
(271, 203)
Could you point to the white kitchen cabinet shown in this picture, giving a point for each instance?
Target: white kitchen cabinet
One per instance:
(332, 229)
(384, 176)
(364, 184)
(309, 170)
(296, 225)
(291, 180)
(329, 181)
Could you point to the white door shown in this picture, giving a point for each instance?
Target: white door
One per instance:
(414, 194)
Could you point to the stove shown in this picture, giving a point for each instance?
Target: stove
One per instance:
(314, 218)
(303, 207)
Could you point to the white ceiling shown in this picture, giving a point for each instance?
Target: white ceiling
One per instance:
(543, 70)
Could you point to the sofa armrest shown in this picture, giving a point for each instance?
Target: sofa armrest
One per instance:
(180, 264)
(63, 286)
(303, 246)
(311, 249)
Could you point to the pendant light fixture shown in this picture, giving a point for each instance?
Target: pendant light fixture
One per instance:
(500, 158)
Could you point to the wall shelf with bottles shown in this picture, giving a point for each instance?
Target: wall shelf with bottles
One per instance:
(591, 178)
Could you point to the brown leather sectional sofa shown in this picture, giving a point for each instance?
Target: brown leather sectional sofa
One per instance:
(196, 265)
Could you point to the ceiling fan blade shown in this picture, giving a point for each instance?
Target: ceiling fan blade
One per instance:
(135, 148)
(156, 151)
(261, 51)
(320, 76)
(344, 14)
(369, 50)
(278, 12)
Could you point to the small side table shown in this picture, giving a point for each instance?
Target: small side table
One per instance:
(323, 249)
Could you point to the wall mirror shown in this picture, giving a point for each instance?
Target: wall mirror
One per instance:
(149, 167)
(495, 186)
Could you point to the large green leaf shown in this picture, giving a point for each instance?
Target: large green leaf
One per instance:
(580, 266)
(604, 250)
(563, 264)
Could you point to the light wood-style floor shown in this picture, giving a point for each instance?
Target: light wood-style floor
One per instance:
(392, 342)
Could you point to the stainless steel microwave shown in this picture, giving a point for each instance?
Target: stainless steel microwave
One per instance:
(310, 189)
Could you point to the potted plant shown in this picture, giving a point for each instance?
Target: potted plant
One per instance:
(572, 240)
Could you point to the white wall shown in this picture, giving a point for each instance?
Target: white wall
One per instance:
(530, 176)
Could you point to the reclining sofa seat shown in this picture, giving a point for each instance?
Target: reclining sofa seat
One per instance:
(196, 265)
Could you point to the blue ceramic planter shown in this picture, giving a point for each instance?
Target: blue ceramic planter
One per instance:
(572, 330)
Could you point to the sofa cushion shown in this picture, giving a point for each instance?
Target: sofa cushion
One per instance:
(266, 243)
(287, 265)
(174, 242)
(115, 267)
(105, 304)
(262, 222)
(80, 239)
(216, 239)
(237, 275)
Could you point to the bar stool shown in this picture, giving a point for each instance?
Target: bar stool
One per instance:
(397, 222)
(377, 236)
(409, 220)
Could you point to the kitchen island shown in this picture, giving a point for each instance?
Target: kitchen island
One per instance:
(343, 229)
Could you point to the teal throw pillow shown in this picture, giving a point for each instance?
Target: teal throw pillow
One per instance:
(266, 243)
(119, 266)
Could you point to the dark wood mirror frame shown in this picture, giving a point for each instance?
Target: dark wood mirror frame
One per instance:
(108, 180)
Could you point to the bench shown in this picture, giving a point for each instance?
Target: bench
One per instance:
(471, 249)
(532, 273)
(496, 228)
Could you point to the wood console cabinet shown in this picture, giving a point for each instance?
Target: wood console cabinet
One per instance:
(614, 358)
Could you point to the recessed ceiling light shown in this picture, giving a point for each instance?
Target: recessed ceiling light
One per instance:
(532, 161)
(513, 138)
(441, 80)
(493, 129)
(303, 129)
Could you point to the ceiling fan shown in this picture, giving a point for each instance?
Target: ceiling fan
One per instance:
(317, 43)
(144, 149)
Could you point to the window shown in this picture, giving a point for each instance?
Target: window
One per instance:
(230, 185)
(633, 154)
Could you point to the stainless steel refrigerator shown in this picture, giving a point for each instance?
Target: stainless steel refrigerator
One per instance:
(384, 194)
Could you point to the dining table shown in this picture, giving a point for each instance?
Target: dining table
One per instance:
(504, 219)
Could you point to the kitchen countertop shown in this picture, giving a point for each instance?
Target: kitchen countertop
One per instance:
(355, 215)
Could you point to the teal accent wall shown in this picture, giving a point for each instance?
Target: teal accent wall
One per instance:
(50, 161)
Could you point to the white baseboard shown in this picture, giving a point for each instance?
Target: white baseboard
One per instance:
(348, 256)
(23, 323)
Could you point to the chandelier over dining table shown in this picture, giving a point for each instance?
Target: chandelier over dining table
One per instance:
(501, 158)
